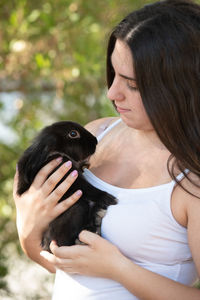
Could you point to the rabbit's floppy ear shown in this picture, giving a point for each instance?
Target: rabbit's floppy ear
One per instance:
(31, 162)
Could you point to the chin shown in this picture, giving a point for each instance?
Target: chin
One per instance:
(136, 125)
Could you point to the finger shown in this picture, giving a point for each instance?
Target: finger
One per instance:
(62, 264)
(62, 252)
(48, 256)
(66, 204)
(89, 237)
(53, 246)
(45, 171)
(66, 252)
(58, 259)
(64, 186)
(53, 180)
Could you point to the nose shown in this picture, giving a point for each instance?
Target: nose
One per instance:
(115, 91)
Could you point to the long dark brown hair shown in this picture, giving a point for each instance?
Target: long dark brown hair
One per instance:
(164, 39)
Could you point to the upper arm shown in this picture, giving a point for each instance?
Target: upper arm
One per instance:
(193, 212)
(99, 125)
(186, 210)
(193, 216)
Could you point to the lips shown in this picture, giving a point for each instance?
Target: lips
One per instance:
(122, 110)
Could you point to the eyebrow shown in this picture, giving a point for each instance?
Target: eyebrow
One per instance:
(121, 75)
(126, 77)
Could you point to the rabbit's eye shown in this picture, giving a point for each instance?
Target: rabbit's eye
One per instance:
(74, 134)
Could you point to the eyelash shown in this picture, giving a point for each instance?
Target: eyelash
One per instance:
(132, 88)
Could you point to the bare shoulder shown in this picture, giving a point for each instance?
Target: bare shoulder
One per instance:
(193, 220)
(184, 204)
(99, 125)
(193, 186)
(186, 210)
(193, 201)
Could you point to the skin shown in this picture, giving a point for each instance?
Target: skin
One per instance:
(39, 204)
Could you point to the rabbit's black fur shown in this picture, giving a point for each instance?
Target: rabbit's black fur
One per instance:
(70, 141)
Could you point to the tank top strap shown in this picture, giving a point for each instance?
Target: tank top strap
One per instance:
(180, 176)
(108, 129)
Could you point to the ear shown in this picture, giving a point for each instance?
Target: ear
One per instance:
(30, 163)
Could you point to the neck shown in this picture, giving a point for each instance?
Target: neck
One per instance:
(144, 138)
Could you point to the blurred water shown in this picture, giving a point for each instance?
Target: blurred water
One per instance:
(12, 102)
(9, 109)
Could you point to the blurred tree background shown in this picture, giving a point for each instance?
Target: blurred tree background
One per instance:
(52, 67)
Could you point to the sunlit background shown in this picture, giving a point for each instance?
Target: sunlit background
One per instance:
(52, 67)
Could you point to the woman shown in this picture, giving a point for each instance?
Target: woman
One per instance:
(149, 158)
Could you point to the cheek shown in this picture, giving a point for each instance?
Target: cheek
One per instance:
(136, 103)
(142, 110)
(139, 115)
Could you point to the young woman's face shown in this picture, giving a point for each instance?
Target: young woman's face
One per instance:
(123, 90)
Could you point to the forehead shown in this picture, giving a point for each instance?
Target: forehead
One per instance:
(121, 59)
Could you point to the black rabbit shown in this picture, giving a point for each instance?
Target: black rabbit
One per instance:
(70, 141)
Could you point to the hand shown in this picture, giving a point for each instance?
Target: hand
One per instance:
(38, 206)
(97, 258)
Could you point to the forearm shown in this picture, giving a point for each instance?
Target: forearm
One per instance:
(39, 205)
(32, 249)
(147, 285)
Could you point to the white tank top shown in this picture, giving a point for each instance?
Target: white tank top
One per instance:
(142, 226)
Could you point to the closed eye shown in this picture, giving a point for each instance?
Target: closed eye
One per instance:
(131, 85)
(131, 82)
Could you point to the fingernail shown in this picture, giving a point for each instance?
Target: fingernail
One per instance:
(16, 167)
(59, 159)
(43, 254)
(53, 242)
(79, 193)
(74, 173)
(68, 164)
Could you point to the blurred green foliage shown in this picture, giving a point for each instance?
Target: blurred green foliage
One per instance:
(52, 63)
(52, 67)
